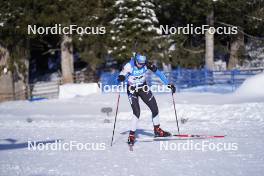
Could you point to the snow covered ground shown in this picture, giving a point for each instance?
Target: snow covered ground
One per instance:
(240, 118)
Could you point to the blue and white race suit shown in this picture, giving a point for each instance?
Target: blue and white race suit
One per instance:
(136, 77)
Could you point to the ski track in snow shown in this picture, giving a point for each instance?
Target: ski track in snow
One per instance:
(80, 119)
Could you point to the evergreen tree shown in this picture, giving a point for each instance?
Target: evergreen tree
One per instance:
(189, 49)
(185, 50)
(133, 28)
(93, 48)
(14, 47)
(248, 17)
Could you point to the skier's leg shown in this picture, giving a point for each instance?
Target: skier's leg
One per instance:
(150, 101)
(133, 100)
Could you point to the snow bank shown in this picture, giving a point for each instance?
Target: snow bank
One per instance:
(74, 90)
(253, 86)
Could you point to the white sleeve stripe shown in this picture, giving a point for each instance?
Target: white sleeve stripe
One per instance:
(126, 69)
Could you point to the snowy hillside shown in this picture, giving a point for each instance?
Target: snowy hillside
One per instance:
(240, 118)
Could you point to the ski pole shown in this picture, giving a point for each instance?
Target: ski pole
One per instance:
(115, 118)
(175, 112)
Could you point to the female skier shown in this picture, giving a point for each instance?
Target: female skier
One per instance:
(134, 73)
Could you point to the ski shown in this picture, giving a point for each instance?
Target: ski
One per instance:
(150, 139)
(178, 137)
(197, 136)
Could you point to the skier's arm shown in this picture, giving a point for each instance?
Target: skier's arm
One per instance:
(163, 78)
(157, 72)
(125, 71)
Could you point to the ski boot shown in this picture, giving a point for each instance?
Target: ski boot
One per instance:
(159, 132)
(131, 138)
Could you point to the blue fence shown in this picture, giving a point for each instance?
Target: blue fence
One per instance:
(189, 78)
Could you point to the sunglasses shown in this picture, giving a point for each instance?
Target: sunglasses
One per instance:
(141, 64)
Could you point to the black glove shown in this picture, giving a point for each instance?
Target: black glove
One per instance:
(121, 78)
(172, 87)
(151, 66)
